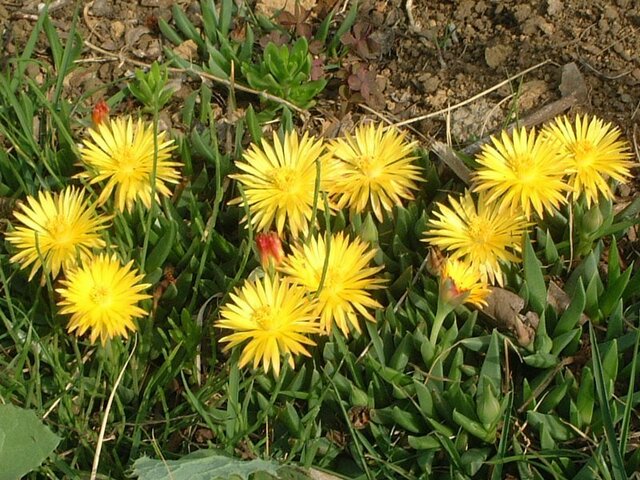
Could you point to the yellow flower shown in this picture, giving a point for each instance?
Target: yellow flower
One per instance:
(344, 289)
(523, 172)
(101, 296)
(279, 182)
(461, 282)
(121, 153)
(57, 230)
(273, 316)
(477, 233)
(595, 154)
(375, 168)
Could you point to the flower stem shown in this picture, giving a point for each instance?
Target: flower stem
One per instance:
(444, 309)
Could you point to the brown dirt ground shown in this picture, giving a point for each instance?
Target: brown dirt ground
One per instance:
(433, 54)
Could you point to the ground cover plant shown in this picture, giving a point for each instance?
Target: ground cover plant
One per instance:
(243, 296)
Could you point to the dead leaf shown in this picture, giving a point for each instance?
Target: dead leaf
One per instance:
(503, 309)
(272, 7)
(187, 49)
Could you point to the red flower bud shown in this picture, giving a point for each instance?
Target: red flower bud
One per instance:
(100, 113)
(269, 248)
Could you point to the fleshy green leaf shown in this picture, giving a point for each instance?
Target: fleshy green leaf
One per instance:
(534, 278)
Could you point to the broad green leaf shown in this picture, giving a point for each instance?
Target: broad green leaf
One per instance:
(428, 442)
(162, 248)
(541, 360)
(550, 250)
(610, 366)
(24, 442)
(201, 465)
(587, 269)
(473, 459)
(473, 427)
(613, 264)
(554, 397)
(209, 20)
(560, 342)
(592, 305)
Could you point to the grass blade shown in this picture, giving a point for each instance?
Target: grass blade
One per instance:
(617, 464)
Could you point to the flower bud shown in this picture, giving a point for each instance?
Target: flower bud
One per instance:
(592, 219)
(270, 248)
(461, 283)
(450, 293)
(488, 406)
(100, 113)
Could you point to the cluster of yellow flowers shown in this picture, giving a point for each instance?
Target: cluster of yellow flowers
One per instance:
(327, 279)
(61, 232)
(323, 282)
(523, 174)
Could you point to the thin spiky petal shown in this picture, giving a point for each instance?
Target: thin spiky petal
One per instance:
(478, 233)
(279, 181)
(595, 153)
(344, 292)
(101, 296)
(56, 231)
(272, 318)
(522, 172)
(121, 153)
(461, 282)
(376, 170)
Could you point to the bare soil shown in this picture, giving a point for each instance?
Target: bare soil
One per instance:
(432, 55)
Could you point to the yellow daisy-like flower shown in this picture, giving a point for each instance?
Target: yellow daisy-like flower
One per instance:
(523, 172)
(595, 153)
(56, 231)
(279, 182)
(101, 296)
(478, 233)
(344, 291)
(122, 153)
(273, 316)
(461, 282)
(376, 168)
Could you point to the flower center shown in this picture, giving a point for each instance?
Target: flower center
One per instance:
(480, 230)
(525, 170)
(283, 178)
(127, 161)
(59, 230)
(583, 152)
(263, 317)
(100, 296)
(367, 166)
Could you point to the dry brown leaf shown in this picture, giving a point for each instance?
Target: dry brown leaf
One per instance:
(272, 7)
